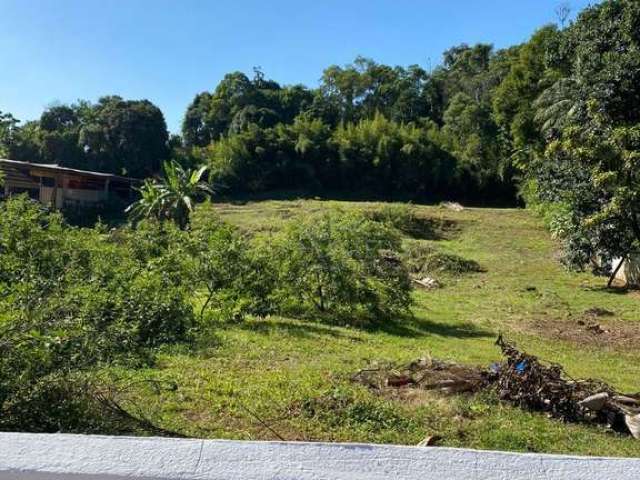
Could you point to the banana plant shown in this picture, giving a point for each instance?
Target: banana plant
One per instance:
(171, 197)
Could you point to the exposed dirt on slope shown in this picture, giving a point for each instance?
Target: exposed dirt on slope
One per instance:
(595, 327)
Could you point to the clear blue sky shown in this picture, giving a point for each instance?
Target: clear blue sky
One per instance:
(167, 51)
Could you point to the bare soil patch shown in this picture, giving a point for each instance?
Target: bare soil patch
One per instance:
(596, 327)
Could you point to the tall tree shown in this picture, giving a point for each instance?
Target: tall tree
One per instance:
(238, 102)
(119, 136)
(591, 164)
(513, 100)
(8, 126)
(127, 137)
(470, 134)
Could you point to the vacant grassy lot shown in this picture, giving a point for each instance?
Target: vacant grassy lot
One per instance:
(266, 378)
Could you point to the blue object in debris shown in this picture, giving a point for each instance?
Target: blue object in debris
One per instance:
(520, 366)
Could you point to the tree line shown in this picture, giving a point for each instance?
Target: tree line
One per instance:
(368, 126)
(555, 120)
(127, 137)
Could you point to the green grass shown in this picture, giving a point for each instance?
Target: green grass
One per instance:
(293, 375)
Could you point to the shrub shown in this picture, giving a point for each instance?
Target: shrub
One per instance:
(235, 280)
(396, 215)
(31, 247)
(450, 263)
(403, 218)
(342, 264)
(72, 299)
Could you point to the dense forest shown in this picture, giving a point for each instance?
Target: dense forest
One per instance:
(553, 121)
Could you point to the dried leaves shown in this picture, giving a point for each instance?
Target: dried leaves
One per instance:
(426, 374)
(531, 384)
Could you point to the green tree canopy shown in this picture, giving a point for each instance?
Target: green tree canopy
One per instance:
(126, 137)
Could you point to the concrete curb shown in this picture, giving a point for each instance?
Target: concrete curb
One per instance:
(60, 456)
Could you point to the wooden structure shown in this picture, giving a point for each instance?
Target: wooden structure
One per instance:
(61, 187)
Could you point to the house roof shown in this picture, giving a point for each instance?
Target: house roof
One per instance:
(54, 168)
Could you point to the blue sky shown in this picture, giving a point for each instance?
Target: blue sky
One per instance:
(167, 51)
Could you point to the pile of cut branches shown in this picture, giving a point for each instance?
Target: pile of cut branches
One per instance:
(522, 380)
(526, 381)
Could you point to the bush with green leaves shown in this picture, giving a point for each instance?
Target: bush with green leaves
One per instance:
(340, 264)
(398, 215)
(171, 197)
(73, 299)
(236, 282)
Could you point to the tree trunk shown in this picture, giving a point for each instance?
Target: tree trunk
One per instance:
(615, 271)
(635, 226)
(206, 303)
(320, 293)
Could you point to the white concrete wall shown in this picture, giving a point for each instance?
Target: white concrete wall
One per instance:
(79, 457)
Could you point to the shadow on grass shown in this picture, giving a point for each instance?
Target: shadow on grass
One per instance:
(299, 329)
(412, 327)
(428, 228)
(617, 290)
(407, 327)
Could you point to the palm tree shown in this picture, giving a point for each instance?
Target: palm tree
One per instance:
(556, 105)
(171, 197)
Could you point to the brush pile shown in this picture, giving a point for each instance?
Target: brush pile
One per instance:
(525, 381)
(520, 379)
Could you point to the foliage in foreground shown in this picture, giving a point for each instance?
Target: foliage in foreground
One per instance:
(235, 280)
(72, 300)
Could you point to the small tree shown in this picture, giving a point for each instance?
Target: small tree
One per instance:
(171, 197)
(341, 264)
(235, 283)
(8, 125)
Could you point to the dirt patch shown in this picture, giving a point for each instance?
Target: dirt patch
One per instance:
(599, 312)
(425, 374)
(595, 327)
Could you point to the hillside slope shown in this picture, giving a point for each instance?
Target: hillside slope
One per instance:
(289, 378)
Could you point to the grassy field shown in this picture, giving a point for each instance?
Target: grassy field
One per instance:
(287, 378)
